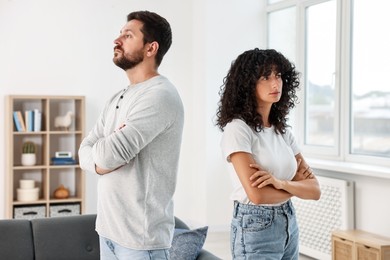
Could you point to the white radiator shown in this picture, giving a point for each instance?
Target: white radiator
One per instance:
(317, 219)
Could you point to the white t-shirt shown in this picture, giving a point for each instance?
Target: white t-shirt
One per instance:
(275, 153)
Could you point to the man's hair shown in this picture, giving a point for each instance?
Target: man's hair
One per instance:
(155, 28)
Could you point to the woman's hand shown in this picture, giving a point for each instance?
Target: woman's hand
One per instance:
(263, 178)
(304, 185)
(267, 194)
(303, 171)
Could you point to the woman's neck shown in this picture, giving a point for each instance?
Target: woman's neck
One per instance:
(264, 111)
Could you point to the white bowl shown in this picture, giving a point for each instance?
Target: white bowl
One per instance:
(26, 184)
(27, 194)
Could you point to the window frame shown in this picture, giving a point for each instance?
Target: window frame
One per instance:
(330, 152)
(341, 152)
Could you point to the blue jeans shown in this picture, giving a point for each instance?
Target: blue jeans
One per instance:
(109, 250)
(264, 232)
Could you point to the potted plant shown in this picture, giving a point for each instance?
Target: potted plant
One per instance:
(28, 154)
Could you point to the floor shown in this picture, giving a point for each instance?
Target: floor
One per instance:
(218, 244)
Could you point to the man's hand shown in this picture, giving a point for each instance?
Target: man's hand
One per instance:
(102, 171)
(120, 127)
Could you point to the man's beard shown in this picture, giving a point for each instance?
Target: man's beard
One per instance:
(126, 63)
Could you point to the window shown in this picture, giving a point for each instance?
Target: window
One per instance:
(370, 115)
(341, 49)
(321, 120)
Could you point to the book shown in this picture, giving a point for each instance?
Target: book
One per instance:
(63, 161)
(29, 116)
(18, 126)
(37, 120)
(27, 119)
(19, 122)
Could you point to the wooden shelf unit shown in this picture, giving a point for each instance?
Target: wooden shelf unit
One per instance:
(48, 140)
(359, 245)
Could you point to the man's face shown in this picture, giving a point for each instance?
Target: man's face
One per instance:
(129, 46)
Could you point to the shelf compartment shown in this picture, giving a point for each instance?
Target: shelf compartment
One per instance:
(70, 178)
(24, 103)
(65, 143)
(40, 148)
(59, 107)
(40, 178)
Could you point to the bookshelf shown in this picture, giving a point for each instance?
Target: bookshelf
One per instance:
(49, 139)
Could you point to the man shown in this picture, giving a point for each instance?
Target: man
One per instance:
(135, 145)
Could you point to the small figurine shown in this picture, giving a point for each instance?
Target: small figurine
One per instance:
(64, 121)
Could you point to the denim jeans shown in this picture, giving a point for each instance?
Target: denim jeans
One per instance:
(109, 250)
(264, 232)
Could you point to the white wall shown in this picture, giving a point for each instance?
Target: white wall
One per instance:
(229, 33)
(64, 47)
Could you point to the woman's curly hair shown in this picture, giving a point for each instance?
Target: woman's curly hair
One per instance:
(238, 92)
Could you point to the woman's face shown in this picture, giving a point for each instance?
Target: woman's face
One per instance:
(269, 89)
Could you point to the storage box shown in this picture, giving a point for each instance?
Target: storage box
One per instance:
(30, 212)
(359, 245)
(62, 210)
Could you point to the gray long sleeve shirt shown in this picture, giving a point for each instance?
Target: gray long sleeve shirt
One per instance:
(139, 131)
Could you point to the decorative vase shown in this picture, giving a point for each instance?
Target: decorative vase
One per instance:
(28, 159)
(61, 192)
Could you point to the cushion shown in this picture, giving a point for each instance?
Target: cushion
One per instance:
(65, 238)
(186, 244)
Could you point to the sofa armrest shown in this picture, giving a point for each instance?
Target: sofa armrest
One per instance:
(206, 255)
(180, 224)
(16, 241)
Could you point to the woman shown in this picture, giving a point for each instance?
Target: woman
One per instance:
(265, 163)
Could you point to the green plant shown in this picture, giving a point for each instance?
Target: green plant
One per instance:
(28, 147)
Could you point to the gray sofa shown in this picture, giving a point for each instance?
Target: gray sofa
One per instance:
(57, 238)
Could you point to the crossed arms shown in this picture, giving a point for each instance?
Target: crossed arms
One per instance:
(263, 188)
